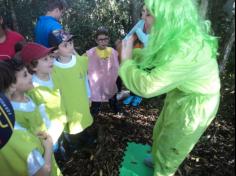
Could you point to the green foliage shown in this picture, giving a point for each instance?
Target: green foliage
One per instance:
(82, 18)
(85, 16)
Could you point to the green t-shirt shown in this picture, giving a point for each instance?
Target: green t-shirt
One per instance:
(70, 78)
(15, 154)
(47, 96)
(28, 116)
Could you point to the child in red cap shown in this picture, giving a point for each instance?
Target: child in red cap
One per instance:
(46, 96)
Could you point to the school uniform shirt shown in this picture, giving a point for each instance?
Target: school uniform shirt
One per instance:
(29, 116)
(70, 78)
(102, 73)
(46, 96)
(46, 25)
(7, 48)
(23, 155)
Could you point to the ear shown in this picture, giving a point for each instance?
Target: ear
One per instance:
(57, 10)
(12, 88)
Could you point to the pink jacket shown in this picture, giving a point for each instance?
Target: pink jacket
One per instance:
(102, 75)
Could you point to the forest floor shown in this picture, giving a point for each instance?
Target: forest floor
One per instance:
(214, 155)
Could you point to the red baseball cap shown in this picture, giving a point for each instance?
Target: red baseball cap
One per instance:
(34, 51)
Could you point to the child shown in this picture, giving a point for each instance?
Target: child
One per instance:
(70, 76)
(50, 22)
(103, 72)
(25, 153)
(27, 113)
(39, 61)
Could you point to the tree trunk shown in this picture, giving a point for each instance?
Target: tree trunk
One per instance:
(228, 48)
(13, 15)
(135, 11)
(204, 8)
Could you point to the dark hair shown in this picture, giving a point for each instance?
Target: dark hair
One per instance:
(8, 70)
(30, 67)
(53, 4)
(102, 31)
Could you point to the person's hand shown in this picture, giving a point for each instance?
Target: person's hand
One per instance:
(127, 48)
(46, 139)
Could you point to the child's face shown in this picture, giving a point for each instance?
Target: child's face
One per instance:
(66, 49)
(23, 81)
(45, 65)
(102, 41)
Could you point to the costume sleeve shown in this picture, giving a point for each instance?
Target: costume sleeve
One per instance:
(35, 162)
(143, 37)
(139, 25)
(155, 82)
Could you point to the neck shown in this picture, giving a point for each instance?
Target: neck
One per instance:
(19, 97)
(8, 94)
(101, 48)
(64, 59)
(43, 76)
(51, 14)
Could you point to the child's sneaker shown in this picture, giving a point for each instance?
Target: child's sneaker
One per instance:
(122, 95)
(136, 101)
(128, 100)
(149, 162)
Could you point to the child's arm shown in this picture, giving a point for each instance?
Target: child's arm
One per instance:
(47, 143)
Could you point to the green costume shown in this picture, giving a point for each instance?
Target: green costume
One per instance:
(50, 98)
(70, 78)
(14, 156)
(180, 60)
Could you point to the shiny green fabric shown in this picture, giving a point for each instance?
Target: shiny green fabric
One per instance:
(191, 81)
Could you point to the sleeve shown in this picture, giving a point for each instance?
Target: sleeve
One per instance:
(156, 82)
(139, 25)
(35, 162)
(143, 37)
(56, 26)
(18, 37)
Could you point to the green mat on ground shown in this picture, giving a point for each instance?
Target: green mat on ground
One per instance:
(132, 164)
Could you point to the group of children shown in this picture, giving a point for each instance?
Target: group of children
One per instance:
(53, 92)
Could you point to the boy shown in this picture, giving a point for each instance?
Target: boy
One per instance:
(17, 158)
(50, 22)
(103, 72)
(39, 61)
(70, 76)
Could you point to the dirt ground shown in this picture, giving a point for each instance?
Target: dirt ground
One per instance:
(214, 155)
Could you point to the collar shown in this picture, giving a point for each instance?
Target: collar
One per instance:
(70, 64)
(25, 107)
(104, 54)
(38, 82)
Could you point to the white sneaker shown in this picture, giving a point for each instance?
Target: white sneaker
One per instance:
(122, 95)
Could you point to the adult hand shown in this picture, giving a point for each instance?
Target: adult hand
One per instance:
(127, 48)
